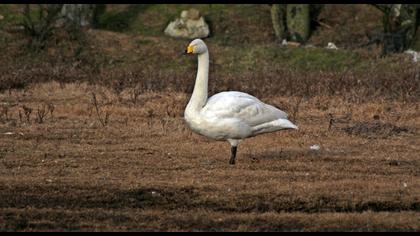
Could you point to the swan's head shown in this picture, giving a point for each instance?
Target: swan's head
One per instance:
(197, 46)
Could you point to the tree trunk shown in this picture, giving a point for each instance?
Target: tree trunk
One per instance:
(78, 14)
(400, 23)
(98, 10)
(278, 16)
(298, 21)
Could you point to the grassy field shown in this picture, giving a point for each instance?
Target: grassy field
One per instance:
(144, 170)
(92, 136)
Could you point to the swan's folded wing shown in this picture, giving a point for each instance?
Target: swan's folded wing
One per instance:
(243, 106)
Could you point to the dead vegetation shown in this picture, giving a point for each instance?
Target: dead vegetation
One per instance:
(375, 129)
(103, 116)
(92, 136)
(117, 154)
(145, 170)
(359, 81)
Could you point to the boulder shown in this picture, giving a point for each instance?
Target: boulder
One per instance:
(190, 25)
(416, 55)
(331, 45)
(80, 14)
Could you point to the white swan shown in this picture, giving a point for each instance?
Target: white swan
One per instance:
(231, 116)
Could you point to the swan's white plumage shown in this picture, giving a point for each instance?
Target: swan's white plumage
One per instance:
(243, 106)
(231, 115)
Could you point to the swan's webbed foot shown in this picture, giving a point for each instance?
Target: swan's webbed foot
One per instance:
(232, 155)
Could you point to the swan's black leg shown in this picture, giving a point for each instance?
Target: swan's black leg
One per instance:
(232, 155)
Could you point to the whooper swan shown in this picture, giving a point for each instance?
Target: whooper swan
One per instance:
(231, 116)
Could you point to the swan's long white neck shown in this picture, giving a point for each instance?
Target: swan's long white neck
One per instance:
(199, 95)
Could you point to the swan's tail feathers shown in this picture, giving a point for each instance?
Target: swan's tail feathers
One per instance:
(286, 124)
(273, 126)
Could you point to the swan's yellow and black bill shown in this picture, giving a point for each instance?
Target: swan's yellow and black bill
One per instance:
(189, 49)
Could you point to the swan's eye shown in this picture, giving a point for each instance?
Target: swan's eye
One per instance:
(190, 49)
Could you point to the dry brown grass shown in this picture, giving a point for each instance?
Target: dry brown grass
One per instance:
(127, 161)
(146, 171)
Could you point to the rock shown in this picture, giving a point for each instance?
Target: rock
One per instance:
(416, 55)
(81, 14)
(184, 15)
(331, 46)
(1, 17)
(190, 25)
(315, 147)
(193, 14)
(284, 42)
(293, 44)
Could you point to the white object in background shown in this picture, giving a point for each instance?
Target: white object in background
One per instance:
(315, 147)
(284, 42)
(331, 46)
(415, 54)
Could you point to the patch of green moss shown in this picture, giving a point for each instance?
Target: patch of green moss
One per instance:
(319, 59)
(9, 15)
(13, 14)
(249, 57)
